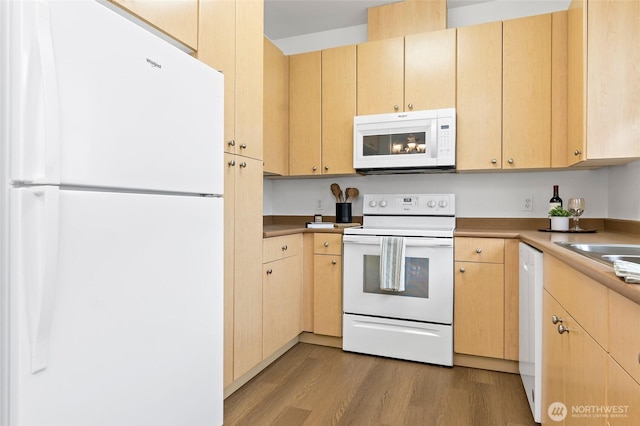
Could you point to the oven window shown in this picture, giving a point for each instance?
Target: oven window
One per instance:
(416, 277)
(396, 143)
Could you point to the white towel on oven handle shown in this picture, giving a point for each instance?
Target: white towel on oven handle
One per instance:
(392, 251)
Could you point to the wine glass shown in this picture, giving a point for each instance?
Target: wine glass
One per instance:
(576, 208)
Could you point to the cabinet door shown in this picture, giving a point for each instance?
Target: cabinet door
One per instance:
(305, 114)
(526, 82)
(624, 346)
(622, 392)
(479, 309)
(585, 373)
(430, 70)
(327, 295)
(229, 263)
(613, 79)
(338, 109)
(276, 111)
(479, 98)
(179, 19)
(380, 76)
(576, 81)
(552, 357)
(248, 272)
(217, 23)
(282, 303)
(249, 78)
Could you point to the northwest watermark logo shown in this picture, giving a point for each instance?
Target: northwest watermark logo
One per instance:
(557, 411)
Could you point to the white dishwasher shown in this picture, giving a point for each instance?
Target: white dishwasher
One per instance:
(530, 364)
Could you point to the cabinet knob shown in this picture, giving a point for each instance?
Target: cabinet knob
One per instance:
(510, 161)
(576, 152)
(333, 262)
(232, 163)
(269, 271)
(562, 329)
(243, 145)
(314, 168)
(478, 250)
(243, 164)
(284, 247)
(462, 270)
(396, 107)
(326, 167)
(326, 244)
(494, 161)
(232, 142)
(555, 319)
(410, 106)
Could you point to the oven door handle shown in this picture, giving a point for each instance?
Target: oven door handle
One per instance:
(409, 242)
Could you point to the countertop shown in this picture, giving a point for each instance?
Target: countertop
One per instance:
(543, 241)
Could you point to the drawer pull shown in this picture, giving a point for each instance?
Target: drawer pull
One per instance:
(478, 250)
(462, 270)
(333, 262)
(326, 244)
(269, 271)
(284, 247)
(555, 319)
(562, 329)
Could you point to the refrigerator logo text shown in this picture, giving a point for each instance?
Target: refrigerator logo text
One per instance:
(153, 63)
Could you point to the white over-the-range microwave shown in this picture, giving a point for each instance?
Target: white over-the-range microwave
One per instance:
(405, 142)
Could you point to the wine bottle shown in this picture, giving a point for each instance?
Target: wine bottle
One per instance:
(555, 201)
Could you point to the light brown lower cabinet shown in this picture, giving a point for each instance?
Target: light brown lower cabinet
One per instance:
(281, 292)
(486, 297)
(327, 284)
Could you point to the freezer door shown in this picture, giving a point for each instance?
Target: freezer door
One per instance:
(103, 102)
(116, 312)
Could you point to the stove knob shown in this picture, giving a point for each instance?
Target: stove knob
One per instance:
(431, 203)
(443, 203)
(372, 203)
(383, 203)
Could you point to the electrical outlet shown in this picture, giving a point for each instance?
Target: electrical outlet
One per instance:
(319, 205)
(527, 203)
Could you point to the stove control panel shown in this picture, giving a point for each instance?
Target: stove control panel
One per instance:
(410, 204)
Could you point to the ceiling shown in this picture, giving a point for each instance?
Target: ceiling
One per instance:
(288, 18)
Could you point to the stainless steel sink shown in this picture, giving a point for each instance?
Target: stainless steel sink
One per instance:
(606, 253)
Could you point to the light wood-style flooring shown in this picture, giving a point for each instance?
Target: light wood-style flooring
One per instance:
(319, 385)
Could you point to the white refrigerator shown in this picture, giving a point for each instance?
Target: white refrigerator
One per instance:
(111, 223)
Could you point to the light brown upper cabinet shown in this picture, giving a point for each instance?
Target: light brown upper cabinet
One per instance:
(305, 113)
(322, 103)
(231, 40)
(479, 97)
(176, 18)
(604, 82)
(276, 110)
(526, 93)
(416, 72)
(405, 18)
(338, 109)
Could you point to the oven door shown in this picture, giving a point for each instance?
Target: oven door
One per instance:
(428, 294)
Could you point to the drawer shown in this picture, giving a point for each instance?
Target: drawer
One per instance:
(586, 300)
(489, 250)
(624, 339)
(324, 243)
(276, 248)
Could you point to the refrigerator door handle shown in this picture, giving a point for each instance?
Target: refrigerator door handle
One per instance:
(39, 156)
(39, 262)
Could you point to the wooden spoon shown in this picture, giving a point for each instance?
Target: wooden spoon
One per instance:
(352, 193)
(336, 191)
